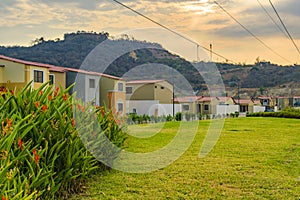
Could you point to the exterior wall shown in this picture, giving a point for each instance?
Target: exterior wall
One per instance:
(226, 109)
(12, 72)
(151, 108)
(46, 73)
(258, 109)
(92, 94)
(163, 92)
(59, 79)
(141, 92)
(110, 95)
(1, 75)
(202, 106)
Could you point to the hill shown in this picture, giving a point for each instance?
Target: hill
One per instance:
(254, 79)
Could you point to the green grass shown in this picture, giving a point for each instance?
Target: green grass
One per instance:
(255, 158)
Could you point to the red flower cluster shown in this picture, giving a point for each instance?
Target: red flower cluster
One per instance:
(20, 144)
(36, 156)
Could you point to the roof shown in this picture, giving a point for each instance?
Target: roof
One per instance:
(188, 99)
(243, 101)
(264, 97)
(51, 67)
(56, 68)
(92, 73)
(145, 81)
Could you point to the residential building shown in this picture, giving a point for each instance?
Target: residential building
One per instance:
(101, 89)
(150, 97)
(217, 105)
(17, 73)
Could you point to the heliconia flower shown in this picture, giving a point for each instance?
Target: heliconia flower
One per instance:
(36, 156)
(4, 198)
(41, 92)
(9, 122)
(34, 152)
(65, 97)
(36, 159)
(73, 122)
(56, 91)
(44, 108)
(20, 144)
(49, 97)
(37, 104)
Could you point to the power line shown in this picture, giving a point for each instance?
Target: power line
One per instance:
(172, 31)
(273, 20)
(285, 28)
(264, 44)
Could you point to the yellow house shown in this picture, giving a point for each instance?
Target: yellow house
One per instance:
(16, 73)
(160, 90)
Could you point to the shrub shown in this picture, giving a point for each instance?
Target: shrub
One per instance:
(286, 113)
(42, 155)
(178, 116)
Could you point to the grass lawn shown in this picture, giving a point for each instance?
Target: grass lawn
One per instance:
(255, 158)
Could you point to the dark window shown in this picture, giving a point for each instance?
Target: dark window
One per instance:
(51, 79)
(38, 76)
(185, 107)
(128, 90)
(206, 107)
(92, 83)
(162, 87)
(120, 87)
(120, 107)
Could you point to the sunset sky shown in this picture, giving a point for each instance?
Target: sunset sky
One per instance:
(202, 21)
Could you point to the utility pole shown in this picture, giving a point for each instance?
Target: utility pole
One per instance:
(210, 47)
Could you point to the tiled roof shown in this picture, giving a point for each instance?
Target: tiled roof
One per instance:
(51, 67)
(243, 101)
(92, 73)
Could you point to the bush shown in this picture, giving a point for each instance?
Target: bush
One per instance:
(178, 116)
(286, 113)
(42, 155)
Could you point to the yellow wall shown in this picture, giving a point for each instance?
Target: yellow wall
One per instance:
(12, 72)
(163, 95)
(109, 87)
(141, 92)
(31, 75)
(59, 79)
(1, 75)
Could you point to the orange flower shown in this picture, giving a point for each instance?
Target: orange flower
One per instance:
(65, 97)
(37, 104)
(41, 92)
(56, 91)
(9, 122)
(49, 97)
(36, 156)
(73, 122)
(44, 108)
(20, 144)
(4, 198)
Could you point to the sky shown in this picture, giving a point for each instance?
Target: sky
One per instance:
(202, 21)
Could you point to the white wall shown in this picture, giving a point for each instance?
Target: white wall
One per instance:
(92, 94)
(259, 108)
(148, 107)
(227, 109)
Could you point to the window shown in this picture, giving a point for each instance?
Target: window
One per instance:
(128, 90)
(51, 79)
(120, 87)
(38, 76)
(120, 107)
(162, 87)
(134, 110)
(206, 107)
(91, 83)
(185, 107)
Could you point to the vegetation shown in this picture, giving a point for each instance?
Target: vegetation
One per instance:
(71, 51)
(286, 113)
(255, 158)
(41, 151)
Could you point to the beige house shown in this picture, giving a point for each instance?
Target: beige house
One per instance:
(101, 89)
(160, 90)
(16, 73)
(216, 105)
(189, 104)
